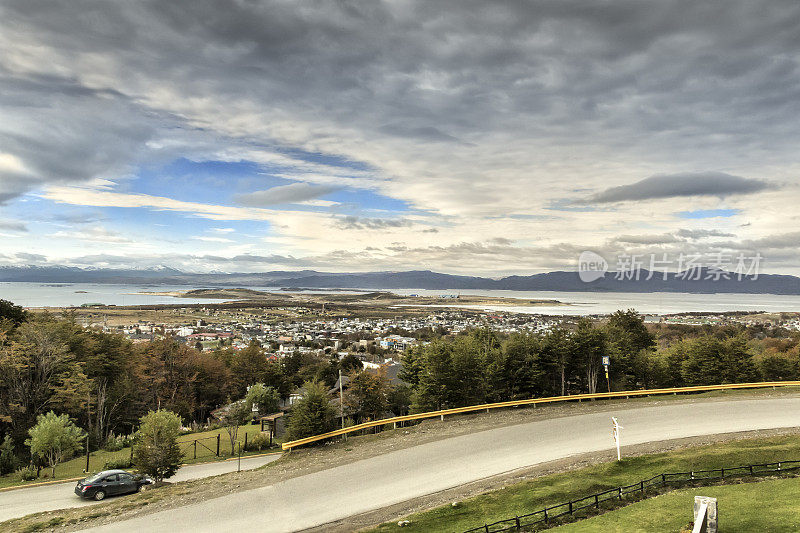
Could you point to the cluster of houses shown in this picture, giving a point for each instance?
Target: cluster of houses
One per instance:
(341, 335)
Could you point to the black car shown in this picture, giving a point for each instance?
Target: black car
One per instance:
(110, 483)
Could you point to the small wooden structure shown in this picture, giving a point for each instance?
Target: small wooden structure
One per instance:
(270, 423)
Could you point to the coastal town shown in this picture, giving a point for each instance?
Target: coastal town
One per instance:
(374, 340)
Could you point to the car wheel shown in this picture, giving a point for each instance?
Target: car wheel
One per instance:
(138, 488)
(99, 495)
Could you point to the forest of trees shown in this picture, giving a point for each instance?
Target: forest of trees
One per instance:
(482, 366)
(105, 384)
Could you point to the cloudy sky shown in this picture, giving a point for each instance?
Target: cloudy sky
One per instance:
(460, 136)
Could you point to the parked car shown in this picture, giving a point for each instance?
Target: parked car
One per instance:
(110, 483)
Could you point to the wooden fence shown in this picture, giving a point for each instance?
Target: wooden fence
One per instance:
(583, 507)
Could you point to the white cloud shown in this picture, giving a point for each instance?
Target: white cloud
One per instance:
(489, 122)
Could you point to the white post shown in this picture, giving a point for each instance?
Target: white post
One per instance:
(616, 434)
(705, 515)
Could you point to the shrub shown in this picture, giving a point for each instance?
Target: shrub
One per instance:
(117, 464)
(27, 474)
(115, 443)
(258, 442)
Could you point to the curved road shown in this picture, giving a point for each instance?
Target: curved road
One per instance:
(354, 488)
(20, 502)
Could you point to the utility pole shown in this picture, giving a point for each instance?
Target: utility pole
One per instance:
(341, 400)
(89, 425)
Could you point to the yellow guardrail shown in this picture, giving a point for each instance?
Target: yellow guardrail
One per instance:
(534, 401)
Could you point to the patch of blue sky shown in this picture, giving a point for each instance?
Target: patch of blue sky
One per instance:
(181, 226)
(708, 213)
(211, 182)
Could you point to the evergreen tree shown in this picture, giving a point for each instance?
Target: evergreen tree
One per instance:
(312, 414)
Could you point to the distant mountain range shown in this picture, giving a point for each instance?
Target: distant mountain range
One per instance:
(698, 281)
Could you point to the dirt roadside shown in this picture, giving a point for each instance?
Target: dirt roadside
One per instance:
(307, 461)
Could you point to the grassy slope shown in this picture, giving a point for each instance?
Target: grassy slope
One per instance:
(74, 467)
(557, 488)
(772, 505)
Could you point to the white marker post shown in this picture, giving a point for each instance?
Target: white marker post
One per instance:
(616, 429)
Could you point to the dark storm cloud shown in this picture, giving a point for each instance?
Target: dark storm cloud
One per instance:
(647, 239)
(354, 222)
(284, 194)
(679, 185)
(13, 225)
(782, 240)
(702, 233)
(30, 258)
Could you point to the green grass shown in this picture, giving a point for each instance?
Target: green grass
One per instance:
(772, 505)
(548, 490)
(74, 467)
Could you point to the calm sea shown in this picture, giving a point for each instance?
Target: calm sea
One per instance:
(580, 303)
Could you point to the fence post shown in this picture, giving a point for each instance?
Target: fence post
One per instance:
(516, 520)
(218, 444)
(545, 515)
(596, 501)
(751, 469)
(620, 492)
(779, 467)
(486, 527)
(641, 487)
(245, 440)
(722, 473)
(663, 479)
(570, 507)
(195, 449)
